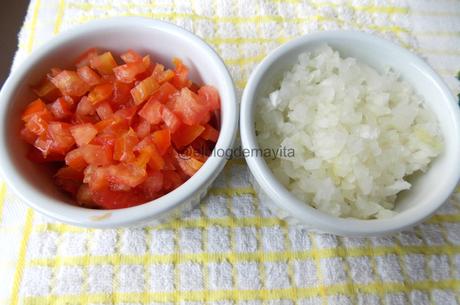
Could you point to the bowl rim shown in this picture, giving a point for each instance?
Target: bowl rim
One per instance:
(309, 216)
(79, 216)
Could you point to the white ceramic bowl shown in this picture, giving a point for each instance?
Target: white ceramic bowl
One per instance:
(429, 191)
(162, 41)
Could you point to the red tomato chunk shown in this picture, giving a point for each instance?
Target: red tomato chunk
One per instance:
(120, 134)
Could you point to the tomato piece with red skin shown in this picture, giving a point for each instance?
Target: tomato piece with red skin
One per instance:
(171, 180)
(103, 63)
(121, 93)
(28, 135)
(124, 147)
(100, 93)
(89, 75)
(162, 140)
(69, 83)
(152, 111)
(36, 156)
(83, 133)
(111, 200)
(142, 91)
(186, 135)
(68, 179)
(85, 58)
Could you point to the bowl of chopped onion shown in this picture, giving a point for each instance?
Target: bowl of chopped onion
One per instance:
(363, 135)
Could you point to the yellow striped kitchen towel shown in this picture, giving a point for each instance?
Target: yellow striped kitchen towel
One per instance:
(231, 249)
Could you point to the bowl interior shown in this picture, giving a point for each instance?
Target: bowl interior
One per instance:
(378, 54)
(160, 40)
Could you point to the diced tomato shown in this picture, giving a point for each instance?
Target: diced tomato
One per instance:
(165, 92)
(124, 146)
(162, 140)
(210, 97)
(187, 163)
(104, 111)
(180, 79)
(89, 75)
(152, 185)
(46, 90)
(37, 125)
(113, 125)
(144, 90)
(131, 56)
(210, 133)
(100, 93)
(109, 199)
(75, 159)
(36, 155)
(189, 108)
(105, 139)
(171, 180)
(127, 114)
(121, 93)
(103, 63)
(142, 128)
(186, 135)
(117, 177)
(97, 155)
(28, 135)
(69, 83)
(127, 73)
(161, 75)
(43, 143)
(83, 133)
(170, 119)
(62, 139)
(69, 179)
(111, 128)
(152, 111)
(85, 197)
(36, 108)
(85, 107)
(85, 58)
(62, 108)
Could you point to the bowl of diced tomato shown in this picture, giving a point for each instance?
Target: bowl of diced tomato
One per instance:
(117, 122)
